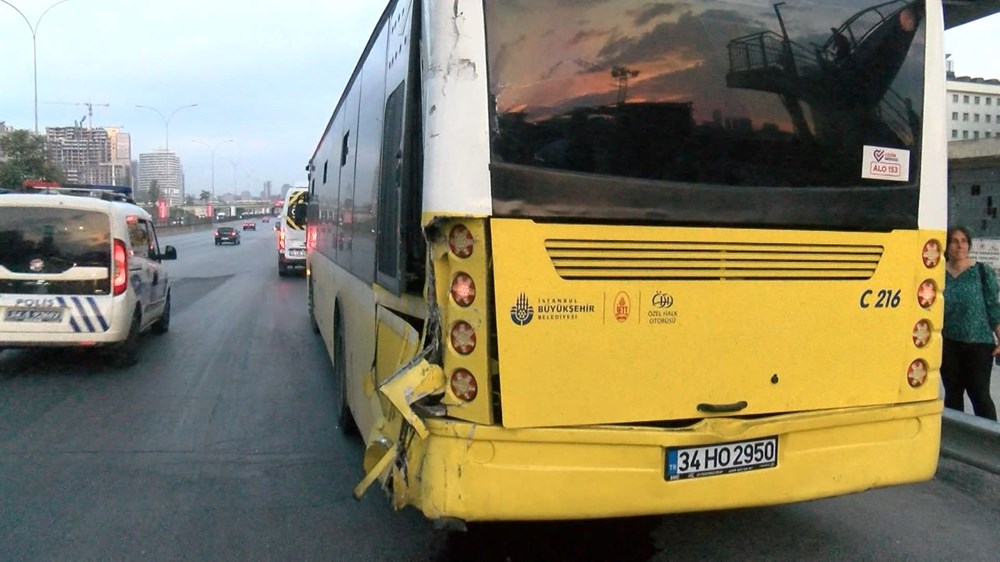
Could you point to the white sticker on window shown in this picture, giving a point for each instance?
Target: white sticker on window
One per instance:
(880, 163)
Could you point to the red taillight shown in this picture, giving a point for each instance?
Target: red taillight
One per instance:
(461, 241)
(119, 277)
(216, 232)
(931, 254)
(311, 237)
(464, 385)
(463, 290)
(281, 239)
(921, 333)
(916, 374)
(463, 337)
(927, 293)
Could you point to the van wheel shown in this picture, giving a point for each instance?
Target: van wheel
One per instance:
(162, 325)
(345, 419)
(126, 353)
(282, 269)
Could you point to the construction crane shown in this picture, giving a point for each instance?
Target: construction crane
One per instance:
(90, 109)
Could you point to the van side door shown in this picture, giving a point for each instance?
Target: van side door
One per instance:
(144, 272)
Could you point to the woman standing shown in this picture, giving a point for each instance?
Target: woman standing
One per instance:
(971, 319)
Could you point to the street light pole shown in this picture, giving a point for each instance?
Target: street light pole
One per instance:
(166, 120)
(235, 189)
(34, 46)
(213, 159)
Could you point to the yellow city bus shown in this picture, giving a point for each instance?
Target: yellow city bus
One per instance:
(593, 259)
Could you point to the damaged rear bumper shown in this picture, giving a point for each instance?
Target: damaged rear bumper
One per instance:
(474, 473)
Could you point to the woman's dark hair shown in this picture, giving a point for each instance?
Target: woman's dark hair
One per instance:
(951, 232)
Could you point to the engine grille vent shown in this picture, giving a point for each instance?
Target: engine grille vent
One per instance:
(658, 260)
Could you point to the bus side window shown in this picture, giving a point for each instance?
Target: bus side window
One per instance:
(390, 191)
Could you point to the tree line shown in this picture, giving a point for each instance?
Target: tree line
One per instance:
(24, 159)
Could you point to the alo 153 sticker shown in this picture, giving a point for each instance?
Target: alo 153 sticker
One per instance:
(881, 163)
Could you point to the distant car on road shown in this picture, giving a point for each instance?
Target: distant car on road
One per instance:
(249, 225)
(225, 234)
(265, 219)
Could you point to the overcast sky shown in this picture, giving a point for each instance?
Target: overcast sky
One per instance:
(265, 73)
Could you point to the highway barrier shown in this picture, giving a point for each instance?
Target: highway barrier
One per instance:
(971, 440)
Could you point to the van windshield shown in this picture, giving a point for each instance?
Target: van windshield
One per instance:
(47, 240)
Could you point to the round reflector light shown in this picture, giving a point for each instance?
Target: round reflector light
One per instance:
(460, 241)
(464, 385)
(463, 337)
(927, 293)
(931, 254)
(921, 333)
(916, 375)
(463, 290)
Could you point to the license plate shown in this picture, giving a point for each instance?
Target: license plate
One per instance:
(32, 315)
(296, 253)
(724, 458)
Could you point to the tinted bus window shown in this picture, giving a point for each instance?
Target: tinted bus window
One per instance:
(731, 94)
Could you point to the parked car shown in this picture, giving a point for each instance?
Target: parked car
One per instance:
(81, 268)
(249, 225)
(226, 234)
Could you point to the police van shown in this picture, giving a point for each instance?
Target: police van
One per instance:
(81, 267)
(292, 231)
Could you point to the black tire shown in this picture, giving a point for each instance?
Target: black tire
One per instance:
(282, 269)
(126, 353)
(162, 325)
(345, 419)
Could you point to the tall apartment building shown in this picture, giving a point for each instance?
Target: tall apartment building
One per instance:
(973, 107)
(118, 170)
(164, 167)
(80, 152)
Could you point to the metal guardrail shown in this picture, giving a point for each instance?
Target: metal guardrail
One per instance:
(971, 440)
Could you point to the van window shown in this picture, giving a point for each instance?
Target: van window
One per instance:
(60, 238)
(139, 236)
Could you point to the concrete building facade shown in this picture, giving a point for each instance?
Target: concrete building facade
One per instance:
(973, 117)
(79, 151)
(973, 108)
(164, 167)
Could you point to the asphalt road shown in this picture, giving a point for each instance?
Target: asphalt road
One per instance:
(221, 444)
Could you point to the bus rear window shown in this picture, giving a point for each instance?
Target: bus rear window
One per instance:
(53, 240)
(729, 93)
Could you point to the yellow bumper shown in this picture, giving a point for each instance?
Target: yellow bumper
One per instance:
(476, 473)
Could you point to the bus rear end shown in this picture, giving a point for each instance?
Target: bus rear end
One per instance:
(711, 272)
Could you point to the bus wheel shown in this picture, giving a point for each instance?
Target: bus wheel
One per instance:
(344, 417)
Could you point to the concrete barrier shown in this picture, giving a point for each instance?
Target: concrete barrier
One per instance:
(971, 440)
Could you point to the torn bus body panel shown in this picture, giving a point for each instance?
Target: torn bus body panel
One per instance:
(412, 380)
(415, 381)
(411, 385)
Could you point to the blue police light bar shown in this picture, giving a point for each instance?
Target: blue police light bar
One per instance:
(120, 189)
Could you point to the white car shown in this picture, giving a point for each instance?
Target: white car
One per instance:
(80, 268)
